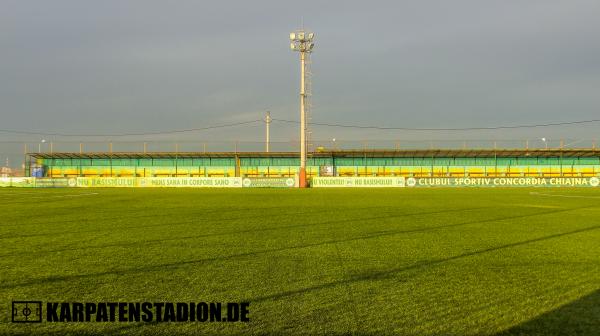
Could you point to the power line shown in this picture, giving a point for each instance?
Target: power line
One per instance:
(130, 134)
(445, 129)
(297, 122)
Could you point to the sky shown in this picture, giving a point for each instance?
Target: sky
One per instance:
(129, 66)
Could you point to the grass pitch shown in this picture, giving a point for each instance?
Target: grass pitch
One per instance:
(339, 261)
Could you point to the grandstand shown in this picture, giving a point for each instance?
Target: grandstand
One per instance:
(408, 163)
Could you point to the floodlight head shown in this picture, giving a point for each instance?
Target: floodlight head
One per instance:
(300, 35)
(293, 46)
(292, 36)
(311, 36)
(310, 46)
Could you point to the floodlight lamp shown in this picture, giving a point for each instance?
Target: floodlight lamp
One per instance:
(292, 36)
(311, 46)
(311, 36)
(292, 46)
(300, 35)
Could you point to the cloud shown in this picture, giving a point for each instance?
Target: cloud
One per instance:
(115, 66)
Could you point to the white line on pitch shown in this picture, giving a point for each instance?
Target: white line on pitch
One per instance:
(48, 196)
(556, 195)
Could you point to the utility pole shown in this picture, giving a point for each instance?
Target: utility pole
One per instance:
(267, 130)
(302, 42)
(26, 163)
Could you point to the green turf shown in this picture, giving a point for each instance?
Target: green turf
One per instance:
(340, 261)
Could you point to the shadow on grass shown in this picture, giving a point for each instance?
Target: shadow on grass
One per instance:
(236, 232)
(373, 276)
(67, 329)
(580, 317)
(198, 218)
(379, 275)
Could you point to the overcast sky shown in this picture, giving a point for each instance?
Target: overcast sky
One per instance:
(133, 66)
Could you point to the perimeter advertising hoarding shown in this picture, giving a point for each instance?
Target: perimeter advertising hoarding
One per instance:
(503, 182)
(149, 182)
(289, 182)
(103, 182)
(131, 182)
(49, 182)
(374, 182)
(191, 182)
(16, 182)
(357, 182)
(270, 182)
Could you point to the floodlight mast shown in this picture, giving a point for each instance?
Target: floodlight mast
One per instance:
(302, 42)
